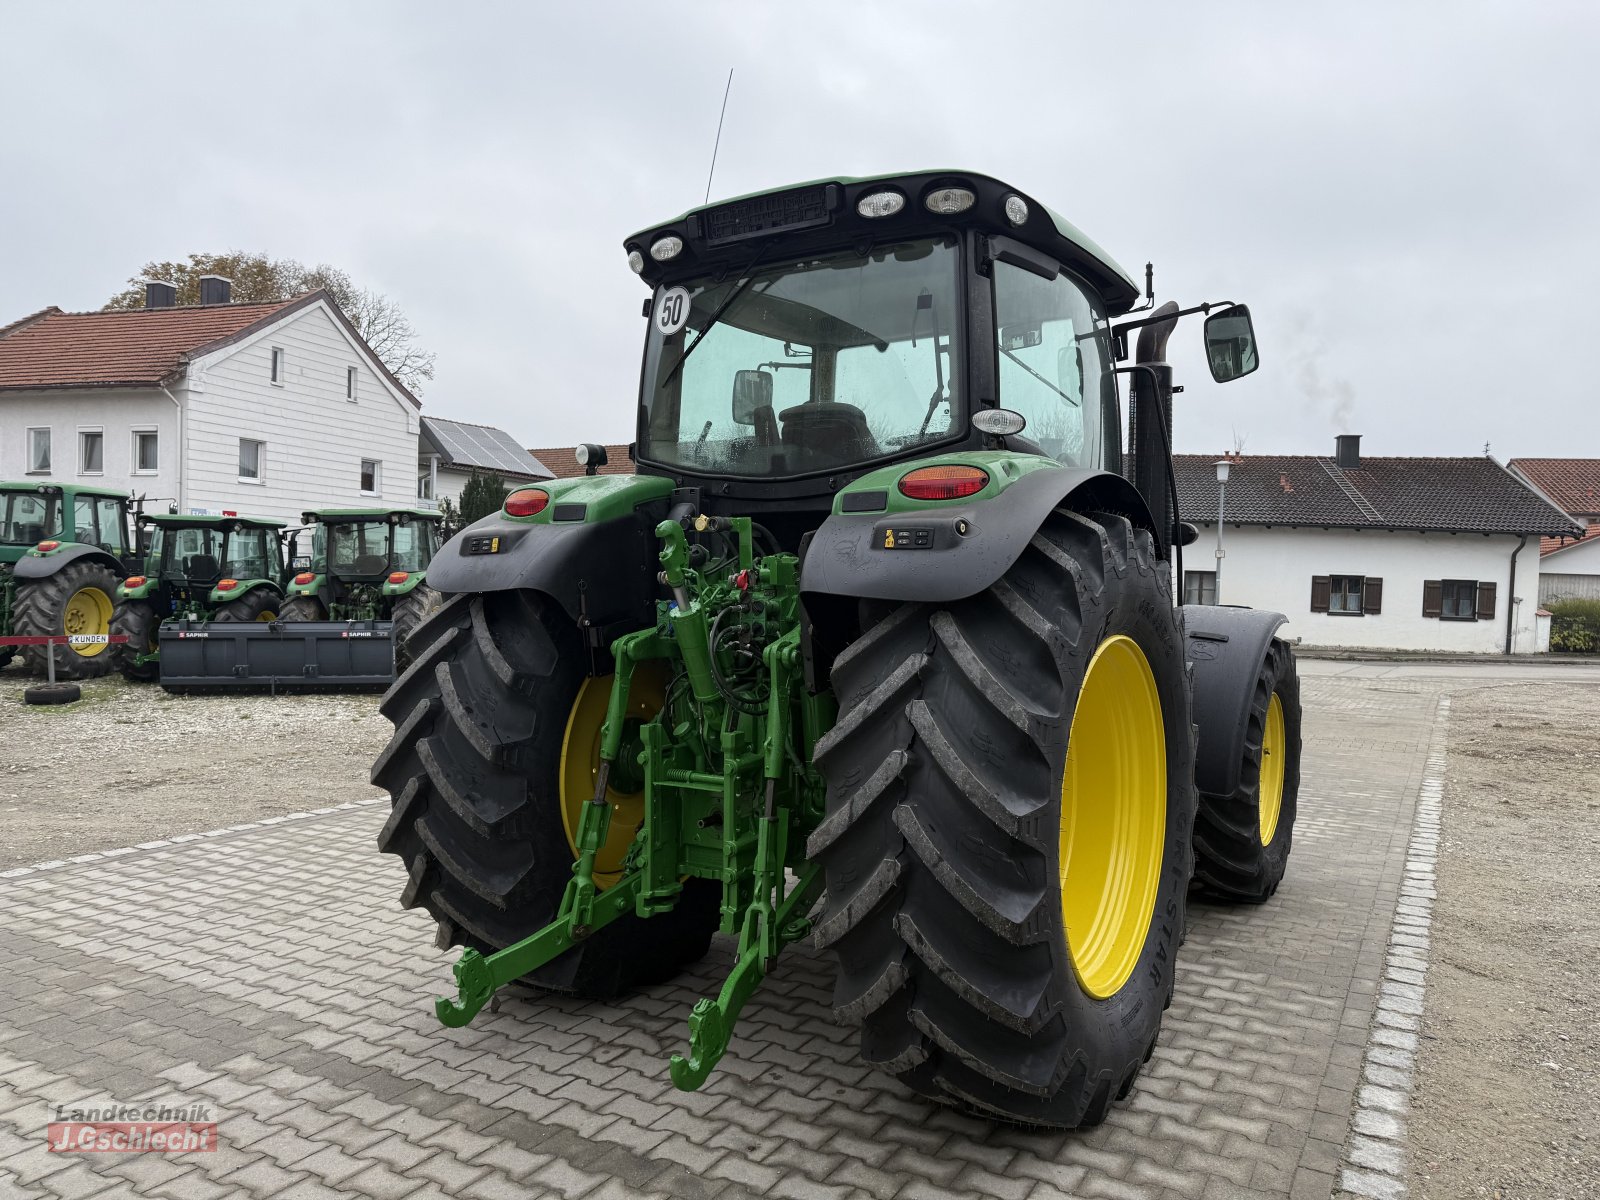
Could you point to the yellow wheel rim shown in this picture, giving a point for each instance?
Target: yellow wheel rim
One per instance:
(268, 615)
(88, 611)
(1113, 817)
(1274, 757)
(580, 766)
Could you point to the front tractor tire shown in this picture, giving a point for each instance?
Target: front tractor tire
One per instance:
(1242, 841)
(76, 599)
(491, 720)
(1007, 844)
(138, 621)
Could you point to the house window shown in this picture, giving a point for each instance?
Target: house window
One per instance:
(350, 383)
(425, 486)
(38, 452)
(252, 464)
(146, 451)
(1458, 599)
(1347, 595)
(91, 452)
(371, 476)
(1199, 587)
(277, 365)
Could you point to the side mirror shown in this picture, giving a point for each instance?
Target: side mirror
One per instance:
(752, 391)
(1231, 343)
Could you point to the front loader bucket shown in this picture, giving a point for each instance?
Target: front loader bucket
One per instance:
(279, 655)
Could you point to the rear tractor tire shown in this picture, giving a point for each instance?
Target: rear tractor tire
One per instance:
(1242, 841)
(302, 608)
(76, 599)
(139, 623)
(415, 607)
(1007, 845)
(495, 744)
(259, 604)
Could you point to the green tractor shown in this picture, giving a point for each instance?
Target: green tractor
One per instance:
(197, 568)
(63, 547)
(878, 647)
(367, 564)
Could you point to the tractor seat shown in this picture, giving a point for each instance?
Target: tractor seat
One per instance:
(201, 568)
(370, 564)
(831, 430)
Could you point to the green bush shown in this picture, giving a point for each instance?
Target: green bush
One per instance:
(483, 494)
(1575, 626)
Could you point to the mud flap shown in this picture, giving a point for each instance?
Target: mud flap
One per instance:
(280, 655)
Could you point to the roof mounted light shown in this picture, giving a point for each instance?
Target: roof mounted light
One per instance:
(998, 422)
(1016, 210)
(635, 261)
(948, 201)
(880, 204)
(667, 248)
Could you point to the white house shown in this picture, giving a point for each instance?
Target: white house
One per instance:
(262, 409)
(1379, 553)
(449, 451)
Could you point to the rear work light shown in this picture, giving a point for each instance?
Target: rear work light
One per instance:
(399, 576)
(948, 201)
(227, 585)
(304, 578)
(134, 581)
(943, 483)
(526, 502)
(880, 204)
(46, 547)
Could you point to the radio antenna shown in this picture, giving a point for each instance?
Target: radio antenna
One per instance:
(715, 145)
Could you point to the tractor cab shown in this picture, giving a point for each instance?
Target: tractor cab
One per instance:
(193, 564)
(362, 560)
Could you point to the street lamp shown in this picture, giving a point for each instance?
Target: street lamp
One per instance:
(1222, 492)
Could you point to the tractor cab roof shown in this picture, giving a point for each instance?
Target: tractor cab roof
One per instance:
(67, 489)
(198, 521)
(342, 516)
(825, 212)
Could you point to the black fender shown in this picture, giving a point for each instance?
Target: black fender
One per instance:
(969, 545)
(42, 566)
(1226, 647)
(600, 573)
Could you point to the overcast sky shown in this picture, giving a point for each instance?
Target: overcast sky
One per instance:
(1405, 198)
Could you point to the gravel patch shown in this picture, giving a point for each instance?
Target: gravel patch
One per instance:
(1508, 1087)
(129, 763)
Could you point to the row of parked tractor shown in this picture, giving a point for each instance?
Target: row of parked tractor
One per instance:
(192, 601)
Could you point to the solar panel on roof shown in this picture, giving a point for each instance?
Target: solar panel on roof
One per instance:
(479, 446)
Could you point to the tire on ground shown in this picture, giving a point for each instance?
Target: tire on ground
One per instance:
(473, 770)
(41, 612)
(1241, 852)
(258, 604)
(415, 607)
(302, 608)
(137, 621)
(942, 843)
(51, 693)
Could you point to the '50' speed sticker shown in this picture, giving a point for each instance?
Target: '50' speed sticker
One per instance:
(672, 311)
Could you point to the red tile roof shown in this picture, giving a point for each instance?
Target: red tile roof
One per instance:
(122, 348)
(1548, 545)
(1573, 483)
(563, 464)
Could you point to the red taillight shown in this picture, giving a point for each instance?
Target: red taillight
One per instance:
(526, 502)
(943, 483)
(133, 581)
(399, 576)
(304, 578)
(46, 547)
(227, 585)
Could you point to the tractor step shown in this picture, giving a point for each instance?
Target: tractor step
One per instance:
(281, 655)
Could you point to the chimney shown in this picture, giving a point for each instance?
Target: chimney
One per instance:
(1347, 451)
(214, 289)
(158, 294)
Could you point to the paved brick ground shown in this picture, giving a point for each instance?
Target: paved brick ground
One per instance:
(269, 972)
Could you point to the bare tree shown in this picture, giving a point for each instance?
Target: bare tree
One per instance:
(256, 278)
